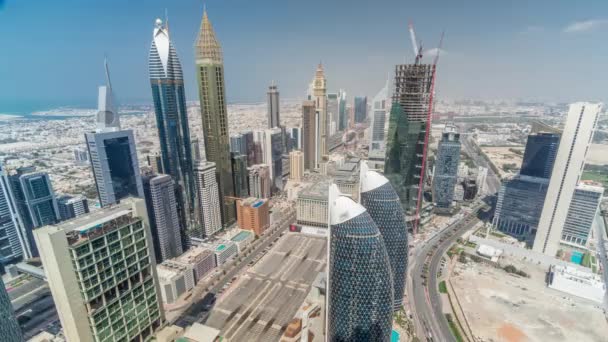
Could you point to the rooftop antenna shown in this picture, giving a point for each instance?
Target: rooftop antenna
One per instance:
(107, 69)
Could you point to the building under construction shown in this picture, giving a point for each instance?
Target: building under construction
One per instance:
(408, 132)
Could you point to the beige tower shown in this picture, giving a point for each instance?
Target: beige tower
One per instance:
(296, 165)
(320, 98)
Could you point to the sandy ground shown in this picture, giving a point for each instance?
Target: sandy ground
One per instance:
(501, 156)
(506, 308)
(598, 154)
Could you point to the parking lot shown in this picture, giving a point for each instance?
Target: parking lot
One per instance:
(259, 305)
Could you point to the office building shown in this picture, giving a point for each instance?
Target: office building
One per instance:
(168, 94)
(253, 214)
(81, 155)
(408, 131)
(296, 138)
(582, 212)
(343, 116)
(470, 189)
(13, 238)
(519, 206)
(237, 144)
(112, 153)
(333, 112)
(242, 239)
(201, 259)
(209, 208)
(272, 147)
(296, 165)
(319, 87)
(9, 327)
(72, 206)
(569, 163)
(240, 175)
(311, 206)
(446, 167)
(274, 119)
(309, 135)
(113, 271)
(380, 109)
(360, 108)
(384, 207)
(539, 156)
(259, 181)
(35, 202)
(174, 279)
(155, 163)
(359, 283)
(250, 148)
(214, 116)
(196, 150)
(167, 237)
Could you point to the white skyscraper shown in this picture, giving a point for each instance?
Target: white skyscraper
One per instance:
(569, 164)
(209, 214)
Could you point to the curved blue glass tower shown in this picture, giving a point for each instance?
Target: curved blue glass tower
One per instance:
(383, 205)
(167, 83)
(360, 284)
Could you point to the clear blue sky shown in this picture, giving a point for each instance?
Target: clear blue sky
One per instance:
(52, 51)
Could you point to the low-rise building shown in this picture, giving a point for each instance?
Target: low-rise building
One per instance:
(577, 282)
(253, 214)
(201, 259)
(174, 279)
(242, 239)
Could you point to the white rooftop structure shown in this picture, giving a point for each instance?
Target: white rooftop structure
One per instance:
(370, 180)
(201, 333)
(342, 208)
(577, 282)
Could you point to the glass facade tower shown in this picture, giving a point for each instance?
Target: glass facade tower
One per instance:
(360, 283)
(214, 116)
(167, 82)
(539, 156)
(446, 168)
(382, 203)
(9, 328)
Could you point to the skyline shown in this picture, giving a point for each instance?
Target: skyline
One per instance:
(489, 50)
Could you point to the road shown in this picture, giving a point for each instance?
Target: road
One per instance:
(429, 320)
(492, 180)
(199, 309)
(601, 243)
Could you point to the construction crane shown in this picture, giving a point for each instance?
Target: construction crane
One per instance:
(417, 47)
(439, 48)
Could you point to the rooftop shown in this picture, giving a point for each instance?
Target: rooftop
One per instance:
(194, 254)
(241, 236)
(317, 191)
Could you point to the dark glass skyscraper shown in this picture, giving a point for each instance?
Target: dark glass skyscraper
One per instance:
(446, 167)
(382, 203)
(12, 234)
(360, 108)
(167, 84)
(360, 284)
(214, 116)
(539, 156)
(35, 201)
(9, 328)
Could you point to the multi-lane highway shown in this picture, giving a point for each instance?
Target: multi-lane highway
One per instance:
(429, 320)
(492, 180)
(205, 292)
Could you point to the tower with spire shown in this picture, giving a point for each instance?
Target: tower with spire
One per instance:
(107, 118)
(214, 116)
(167, 83)
(319, 95)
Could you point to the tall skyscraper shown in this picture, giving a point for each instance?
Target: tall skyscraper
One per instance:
(161, 204)
(343, 116)
(333, 113)
(238, 144)
(446, 167)
(112, 152)
(309, 134)
(35, 202)
(168, 94)
(272, 147)
(212, 94)
(408, 131)
(359, 281)
(240, 175)
(9, 327)
(382, 203)
(72, 206)
(102, 274)
(582, 213)
(296, 138)
(249, 147)
(519, 205)
(296, 165)
(539, 156)
(274, 119)
(380, 108)
(569, 164)
(319, 96)
(13, 237)
(360, 108)
(209, 207)
(259, 181)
